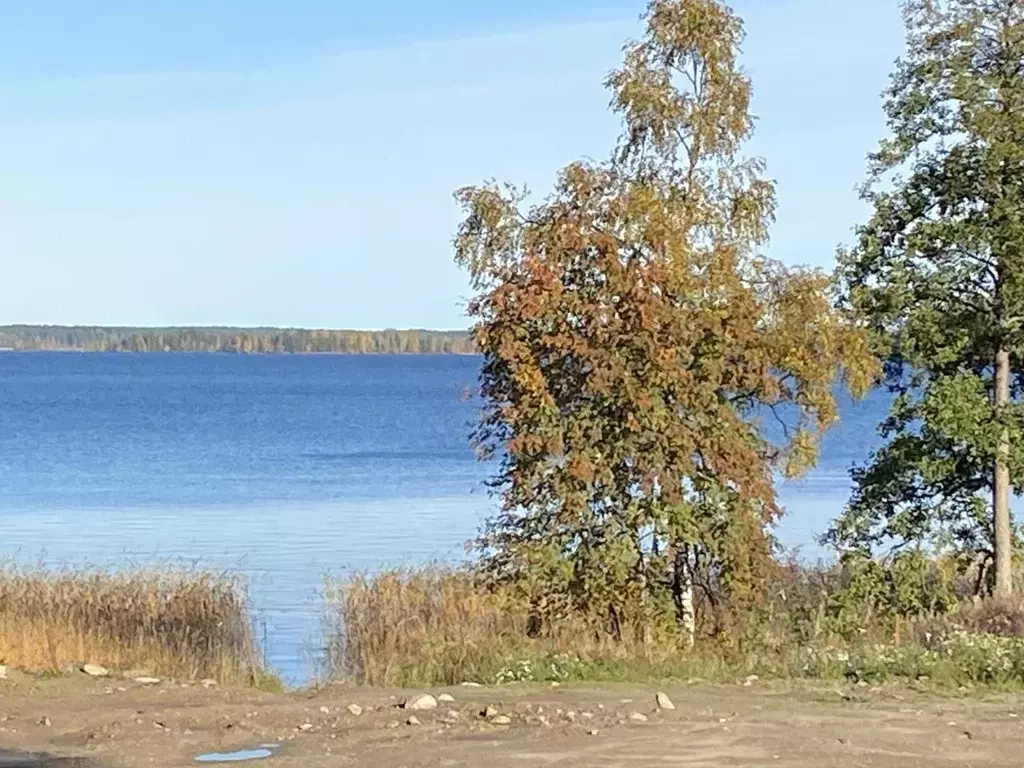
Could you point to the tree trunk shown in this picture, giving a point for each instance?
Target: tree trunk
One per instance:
(682, 592)
(1001, 485)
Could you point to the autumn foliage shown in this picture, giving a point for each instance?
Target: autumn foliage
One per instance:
(633, 337)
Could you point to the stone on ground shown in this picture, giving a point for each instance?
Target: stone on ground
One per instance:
(421, 702)
(95, 670)
(355, 709)
(146, 680)
(501, 720)
(447, 698)
(664, 702)
(638, 717)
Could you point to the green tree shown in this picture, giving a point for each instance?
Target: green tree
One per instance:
(938, 268)
(631, 336)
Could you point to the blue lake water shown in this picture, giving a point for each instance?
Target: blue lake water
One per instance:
(285, 468)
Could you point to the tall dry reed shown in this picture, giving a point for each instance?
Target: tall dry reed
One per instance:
(180, 624)
(439, 625)
(401, 626)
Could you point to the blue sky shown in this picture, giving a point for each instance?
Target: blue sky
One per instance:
(269, 163)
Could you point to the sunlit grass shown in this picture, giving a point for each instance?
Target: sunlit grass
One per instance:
(178, 624)
(434, 625)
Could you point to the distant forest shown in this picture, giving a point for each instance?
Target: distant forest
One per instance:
(234, 340)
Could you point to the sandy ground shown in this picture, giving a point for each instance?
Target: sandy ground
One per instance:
(111, 722)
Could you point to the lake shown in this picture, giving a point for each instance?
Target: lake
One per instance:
(285, 468)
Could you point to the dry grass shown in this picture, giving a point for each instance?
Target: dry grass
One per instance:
(436, 625)
(402, 625)
(184, 625)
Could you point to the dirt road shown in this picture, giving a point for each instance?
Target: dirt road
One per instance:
(123, 723)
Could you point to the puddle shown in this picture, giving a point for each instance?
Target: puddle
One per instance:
(236, 757)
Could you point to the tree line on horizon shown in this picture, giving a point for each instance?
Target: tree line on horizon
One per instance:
(235, 340)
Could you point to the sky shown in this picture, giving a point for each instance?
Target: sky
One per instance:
(218, 162)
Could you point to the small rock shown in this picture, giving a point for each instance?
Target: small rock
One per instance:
(393, 724)
(413, 720)
(3, 672)
(45, 722)
(544, 721)
(421, 702)
(355, 710)
(144, 680)
(489, 712)
(663, 701)
(968, 736)
(325, 710)
(842, 741)
(447, 698)
(501, 720)
(451, 717)
(749, 680)
(593, 732)
(306, 727)
(638, 717)
(471, 685)
(95, 670)
(208, 682)
(571, 715)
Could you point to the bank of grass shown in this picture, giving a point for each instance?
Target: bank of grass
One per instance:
(431, 626)
(184, 625)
